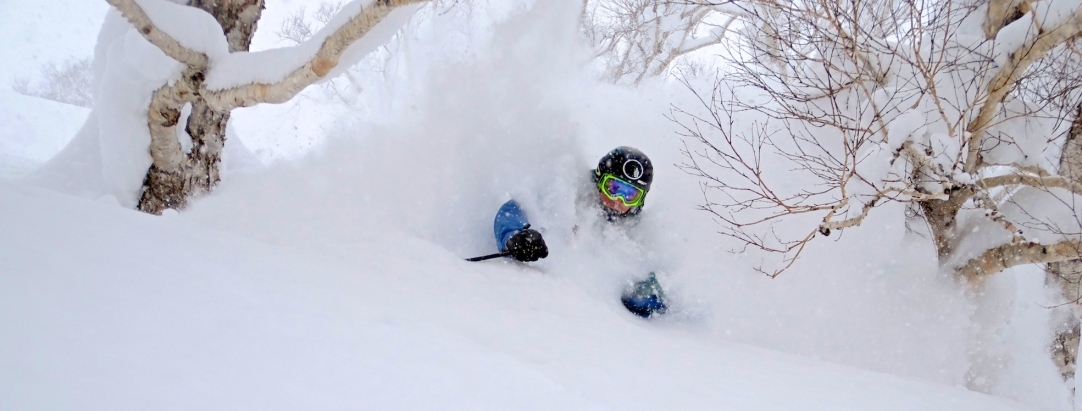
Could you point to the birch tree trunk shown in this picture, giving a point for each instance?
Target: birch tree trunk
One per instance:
(176, 177)
(171, 184)
(1067, 275)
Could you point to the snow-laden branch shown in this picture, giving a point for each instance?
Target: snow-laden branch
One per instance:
(325, 59)
(830, 224)
(1010, 255)
(992, 212)
(251, 92)
(217, 75)
(1015, 66)
(166, 43)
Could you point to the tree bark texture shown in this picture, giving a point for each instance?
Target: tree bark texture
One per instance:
(1001, 13)
(942, 216)
(1065, 351)
(238, 19)
(1067, 275)
(175, 177)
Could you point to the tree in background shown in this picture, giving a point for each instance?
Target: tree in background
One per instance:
(217, 74)
(958, 109)
(637, 39)
(67, 82)
(297, 28)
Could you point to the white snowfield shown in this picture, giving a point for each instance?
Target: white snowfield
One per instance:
(106, 308)
(333, 278)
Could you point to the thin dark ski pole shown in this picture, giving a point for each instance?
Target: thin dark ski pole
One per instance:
(490, 256)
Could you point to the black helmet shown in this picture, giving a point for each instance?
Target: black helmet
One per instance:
(628, 164)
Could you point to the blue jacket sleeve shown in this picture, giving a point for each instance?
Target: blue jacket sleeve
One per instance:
(509, 219)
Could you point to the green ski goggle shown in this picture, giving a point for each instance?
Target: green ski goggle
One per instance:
(617, 189)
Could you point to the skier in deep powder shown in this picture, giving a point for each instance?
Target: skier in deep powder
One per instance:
(622, 179)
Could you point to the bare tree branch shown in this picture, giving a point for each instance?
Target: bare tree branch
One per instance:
(641, 38)
(1009, 255)
(1032, 180)
(870, 101)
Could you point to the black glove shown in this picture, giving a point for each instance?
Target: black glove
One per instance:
(527, 245)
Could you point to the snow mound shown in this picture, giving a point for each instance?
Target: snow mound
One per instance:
(34, 130)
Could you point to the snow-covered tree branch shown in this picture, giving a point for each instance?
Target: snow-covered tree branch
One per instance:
(1018, 61)
(210, 40)
(168, 45)
(325, 59)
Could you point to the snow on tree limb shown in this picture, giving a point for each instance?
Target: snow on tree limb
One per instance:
(325, 59)
(210, 39)
(249, 93)
(1016, 65)
(829, 224)
(167, 44)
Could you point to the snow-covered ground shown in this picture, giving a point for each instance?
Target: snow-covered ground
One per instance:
(106, 308)
(334, 279)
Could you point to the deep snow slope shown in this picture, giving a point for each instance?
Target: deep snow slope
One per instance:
(105, 308)
(339, 278)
